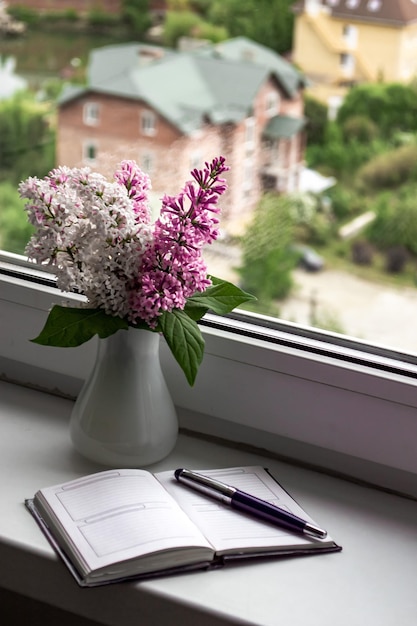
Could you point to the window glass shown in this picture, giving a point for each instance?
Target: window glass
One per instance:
(91, 113)
(314, 119)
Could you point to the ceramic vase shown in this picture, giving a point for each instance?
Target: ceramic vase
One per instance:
(124, 415)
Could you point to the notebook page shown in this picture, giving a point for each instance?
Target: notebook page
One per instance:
(120, 514)
(231, 530)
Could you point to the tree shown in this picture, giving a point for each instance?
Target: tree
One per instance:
(392, 107)
(137, 15)
(188, 24)
(27, 139)
(396, 220)
(268, 23)
(316, 114)
(15, 229)
(266, 254)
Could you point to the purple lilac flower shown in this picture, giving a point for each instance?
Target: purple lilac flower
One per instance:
(173, 268)
(137, 184)
(97, 236)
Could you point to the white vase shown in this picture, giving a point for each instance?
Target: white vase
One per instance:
(124, 415)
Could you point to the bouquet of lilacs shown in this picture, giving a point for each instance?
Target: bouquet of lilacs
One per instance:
(98, 237)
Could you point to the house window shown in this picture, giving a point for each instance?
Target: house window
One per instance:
(147, 162)
(350, 35)
(148, 123)
(91, 113)
(250, 133)
(89, 152)
(347, 63)
(272, 103)
(248, 176)
(196, 160)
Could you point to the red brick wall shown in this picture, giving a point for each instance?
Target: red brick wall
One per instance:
(172, 155)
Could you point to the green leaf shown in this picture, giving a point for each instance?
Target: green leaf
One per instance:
(221, 297)
(68, 327)
(184, 338)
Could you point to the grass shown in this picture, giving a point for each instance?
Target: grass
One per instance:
(337, 256)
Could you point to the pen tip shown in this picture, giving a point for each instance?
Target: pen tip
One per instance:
(177, 473)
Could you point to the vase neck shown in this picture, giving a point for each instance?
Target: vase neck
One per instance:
(144, 343)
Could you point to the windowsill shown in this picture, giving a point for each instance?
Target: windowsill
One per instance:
(371, 582)
(324, 406)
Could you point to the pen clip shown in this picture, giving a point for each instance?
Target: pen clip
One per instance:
(205, 484)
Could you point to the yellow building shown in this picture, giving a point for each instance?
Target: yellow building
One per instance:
(338, 43)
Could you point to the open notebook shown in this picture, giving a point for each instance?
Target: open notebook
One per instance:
(122, 524)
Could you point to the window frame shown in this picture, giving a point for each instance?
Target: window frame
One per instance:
(89, 146)
(91, 113)
(312, 396)
(148, 123)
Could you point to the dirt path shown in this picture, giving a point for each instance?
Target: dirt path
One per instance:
(384, 315)
(347, 304)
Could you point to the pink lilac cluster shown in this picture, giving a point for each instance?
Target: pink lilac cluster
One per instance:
(173, 268)
(98, 237)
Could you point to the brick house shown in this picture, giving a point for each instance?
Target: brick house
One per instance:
(171, 111)
(341, 42)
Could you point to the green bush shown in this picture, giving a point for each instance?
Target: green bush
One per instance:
(27, 140)
(177, 25)
(359, 128)
(345, 202)
(391, 106)
(24, 14)
(15, 229)
(390, 169)
(316, 114)
(362, 252)
(266, 257)
(395, 223)
(396, 258)
(97, 17)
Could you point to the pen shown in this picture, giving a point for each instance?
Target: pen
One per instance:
(247, 503)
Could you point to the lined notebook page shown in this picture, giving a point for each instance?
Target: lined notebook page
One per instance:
(228, 529)
(120, 514)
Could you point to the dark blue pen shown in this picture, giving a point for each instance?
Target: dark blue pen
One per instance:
(248, 504)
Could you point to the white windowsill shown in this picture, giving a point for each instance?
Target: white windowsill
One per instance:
(371, 582)
(340, 416)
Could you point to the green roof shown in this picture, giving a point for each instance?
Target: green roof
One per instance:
(218, 83)
(283, 127)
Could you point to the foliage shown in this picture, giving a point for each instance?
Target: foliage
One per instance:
(266, 257)
(268, 23)
(320, 230)
(27, 140)
(316, 114)
(179, 24)
(360, 128)
(99, 238)
(190, 24)
(395, 223)
(345, 201)
(362, 252)
(392, 106)
(15, 230)
(98, 17)
(340, 157)
(137, 16)
(24, 14)
(391, 168)
(396, 258)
